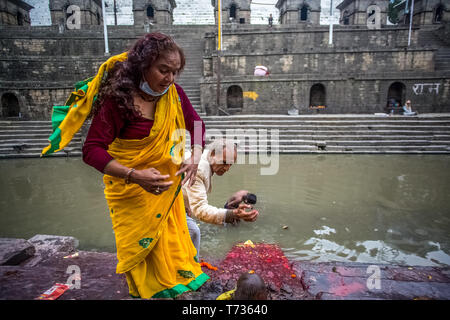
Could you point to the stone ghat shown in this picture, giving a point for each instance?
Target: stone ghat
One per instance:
(30, 267)
(300, 134)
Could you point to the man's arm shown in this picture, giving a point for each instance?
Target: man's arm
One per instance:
(198, 201)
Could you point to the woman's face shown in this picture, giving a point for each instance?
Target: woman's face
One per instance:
(162, 73)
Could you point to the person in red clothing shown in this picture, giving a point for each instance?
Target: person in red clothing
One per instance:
(138, 110)
(118, 114)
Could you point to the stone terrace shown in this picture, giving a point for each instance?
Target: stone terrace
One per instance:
(369, 134)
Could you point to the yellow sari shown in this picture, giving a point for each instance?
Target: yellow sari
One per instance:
(154, 247)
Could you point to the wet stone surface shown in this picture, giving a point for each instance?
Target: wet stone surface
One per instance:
(285, 280)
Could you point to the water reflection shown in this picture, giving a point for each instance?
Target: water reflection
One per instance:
(370, 251)
(374, 209)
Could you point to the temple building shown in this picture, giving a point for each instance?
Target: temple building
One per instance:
(14, 12)
(427, 12)
(364, 12)
(233, 11)
(153, 12)
(299, 11)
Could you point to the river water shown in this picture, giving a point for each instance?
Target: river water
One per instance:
(356, 208)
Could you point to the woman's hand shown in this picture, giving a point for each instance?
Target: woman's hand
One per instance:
(189, 167)
(151, 180)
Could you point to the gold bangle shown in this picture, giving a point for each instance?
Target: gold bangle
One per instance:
(127, 177)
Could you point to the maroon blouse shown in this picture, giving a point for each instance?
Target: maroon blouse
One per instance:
(108, 124)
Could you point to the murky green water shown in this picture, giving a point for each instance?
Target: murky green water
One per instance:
(365, 208)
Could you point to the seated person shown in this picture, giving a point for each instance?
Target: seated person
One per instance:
(407, 109)
(391, 106)
(250, 286)
(216, 159)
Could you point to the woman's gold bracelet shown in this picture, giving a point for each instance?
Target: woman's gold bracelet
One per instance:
(127, 177)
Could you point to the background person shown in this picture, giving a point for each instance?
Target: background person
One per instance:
(407, 110)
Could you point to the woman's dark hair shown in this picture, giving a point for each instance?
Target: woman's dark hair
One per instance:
(123, 80)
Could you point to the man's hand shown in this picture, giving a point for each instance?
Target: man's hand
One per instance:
(248, 216)
(236, 198)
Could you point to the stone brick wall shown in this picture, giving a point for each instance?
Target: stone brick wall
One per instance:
(39, 65)
(356, 71)
(11, 13)
(343, 95)
(331, 62)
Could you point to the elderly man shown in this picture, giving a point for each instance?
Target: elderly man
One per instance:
(216, 159)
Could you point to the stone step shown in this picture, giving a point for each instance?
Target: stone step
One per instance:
(28, 146)
(19, 140)
(301, 148)
(13, 127)
(26, 123)
(345, 122)
(327, 117)
(294, 149)
(21, 135)
(367, 143)
(189, 86)
(38, 154)
(307, 150)
(15, 135)
(290, 137)
(329, 127)
(290, 149)
(46, 125)
(387, 140)
(192, 94)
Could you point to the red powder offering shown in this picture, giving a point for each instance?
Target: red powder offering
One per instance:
(267, 260)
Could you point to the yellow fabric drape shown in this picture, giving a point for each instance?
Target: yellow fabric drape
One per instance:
(78, 107)
(154, 248)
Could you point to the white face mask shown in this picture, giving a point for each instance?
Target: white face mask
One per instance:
(145, 87)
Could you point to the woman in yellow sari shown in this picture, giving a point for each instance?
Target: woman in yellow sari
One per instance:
(137, 140)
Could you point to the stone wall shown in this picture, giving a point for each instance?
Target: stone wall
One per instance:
(327, 62)
(14, 13)
(39, 66)
(358, 72)
(343, 95)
